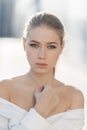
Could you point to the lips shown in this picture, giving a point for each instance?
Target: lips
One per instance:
(41, 64)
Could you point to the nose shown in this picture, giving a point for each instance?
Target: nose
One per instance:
(42, 53)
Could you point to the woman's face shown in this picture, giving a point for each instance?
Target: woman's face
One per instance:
(43, 49)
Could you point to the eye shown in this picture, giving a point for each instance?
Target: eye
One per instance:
(35, 45)
(51, 46)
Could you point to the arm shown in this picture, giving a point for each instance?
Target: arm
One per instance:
(32, 121)
(35, 119)
(77, 103)
(77, 99)
(3, 123)
(46, 100)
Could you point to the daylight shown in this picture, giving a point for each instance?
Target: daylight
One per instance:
(72, 65)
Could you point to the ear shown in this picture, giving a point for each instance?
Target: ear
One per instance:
(24, 43)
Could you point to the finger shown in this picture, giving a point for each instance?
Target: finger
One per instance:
(41, 89)
(48, 86)
(36, 93)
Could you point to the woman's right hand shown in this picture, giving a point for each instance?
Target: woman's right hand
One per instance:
(46, 100)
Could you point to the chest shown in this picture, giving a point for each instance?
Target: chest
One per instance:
(23, 98)
(64, 105)
(26, 100)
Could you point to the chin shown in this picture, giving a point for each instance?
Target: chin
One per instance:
(41, 71)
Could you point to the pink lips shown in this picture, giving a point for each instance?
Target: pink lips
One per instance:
(41, 65)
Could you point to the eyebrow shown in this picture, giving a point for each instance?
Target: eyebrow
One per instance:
(34, 41)
(46, 43)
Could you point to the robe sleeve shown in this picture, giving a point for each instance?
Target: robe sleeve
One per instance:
(31, 121)
(10, 120)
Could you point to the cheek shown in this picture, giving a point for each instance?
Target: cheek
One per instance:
(53, 59)
(30, 55)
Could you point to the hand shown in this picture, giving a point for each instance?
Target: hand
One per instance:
(46, 100)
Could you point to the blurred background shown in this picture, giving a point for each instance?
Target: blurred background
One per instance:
(71, 67)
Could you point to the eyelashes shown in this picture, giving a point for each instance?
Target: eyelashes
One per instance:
(34, 45)
(52, 47)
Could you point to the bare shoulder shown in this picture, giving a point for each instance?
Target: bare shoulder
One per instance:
(11, 88)
(5, 89)
(72, 95)
(77, 98)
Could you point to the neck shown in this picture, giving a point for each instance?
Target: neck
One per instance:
(41, 79)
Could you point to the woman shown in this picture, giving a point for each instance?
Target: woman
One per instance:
(36, 100)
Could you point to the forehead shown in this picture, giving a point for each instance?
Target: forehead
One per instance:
(44, 34)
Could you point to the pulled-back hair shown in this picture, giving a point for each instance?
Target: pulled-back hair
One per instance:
(46, 19)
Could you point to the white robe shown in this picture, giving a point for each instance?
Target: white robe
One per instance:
(13, 117)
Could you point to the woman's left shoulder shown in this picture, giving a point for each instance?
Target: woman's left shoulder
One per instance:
(77, 98)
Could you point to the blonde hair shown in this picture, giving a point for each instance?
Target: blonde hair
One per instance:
(46, 19)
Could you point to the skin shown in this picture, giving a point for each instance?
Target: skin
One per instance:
(39, 88)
